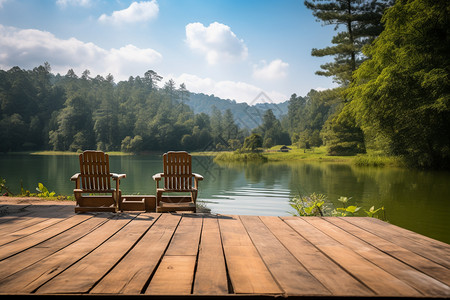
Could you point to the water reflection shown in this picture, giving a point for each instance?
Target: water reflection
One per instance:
(417, 200)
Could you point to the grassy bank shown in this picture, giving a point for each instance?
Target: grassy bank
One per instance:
(240, 157)
(371, 160)
(314, 155)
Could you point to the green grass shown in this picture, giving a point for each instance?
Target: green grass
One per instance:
(205, 153)
(295, 154)
(313, 155)
(240, 157)
(371, 160)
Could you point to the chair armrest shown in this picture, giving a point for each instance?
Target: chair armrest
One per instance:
(157, 176)
(197, 176)
(118, 176)
(75, 177)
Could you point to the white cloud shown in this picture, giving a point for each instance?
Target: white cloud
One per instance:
(227, 89)
(136, 12)
(276, 69)
(65, 3)
(28, 48)
(217, 42)
(2, 2)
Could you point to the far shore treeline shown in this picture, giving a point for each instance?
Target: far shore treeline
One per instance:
(43, 111)
(391, 62)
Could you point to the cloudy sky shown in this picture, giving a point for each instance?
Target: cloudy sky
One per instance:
(233, 49)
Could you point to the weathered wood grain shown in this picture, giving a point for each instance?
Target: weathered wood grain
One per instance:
(32, 277)
(381, 282)
(247, 270)
(81, 276)
(131, 274)
(425, 284)
(330, 274)
(211, 274)
(185, 255)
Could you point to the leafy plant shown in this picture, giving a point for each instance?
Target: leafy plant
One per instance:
(3, 187)
(345, 210)
(43, 191)
(311, 205)
(372, 211)
(315, 205)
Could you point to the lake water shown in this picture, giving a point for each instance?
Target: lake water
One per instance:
(416, 200)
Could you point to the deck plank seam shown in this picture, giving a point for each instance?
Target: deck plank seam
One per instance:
(400, 259)
(334, 261)
(433, 257)
(68, 244)
(331, 293)
(31, 246)
(32, 225)
(284, 294)
(126, 252)
(81, 257)
(196, 257)
(152, 274)
(370, 260)
(229, 283)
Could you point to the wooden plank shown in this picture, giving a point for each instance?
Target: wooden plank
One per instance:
(436, 251)
(81, 277)
(19, 245)
(187, 236)
(413, 235)
(211, 275)
(247, 271)
(16, 222)
(32, 255)
(32, 277)
(418, 262)
(292, 276)
(131, 274)
(331, 275)
(380, 281)
(427, 285)
(35, 224)
(174, 276)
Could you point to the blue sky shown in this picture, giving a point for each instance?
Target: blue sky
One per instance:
(232, 49)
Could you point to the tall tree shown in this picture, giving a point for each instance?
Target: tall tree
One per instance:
(151, 78)
(271, 130)
(360, 21)
(402, 93)
(183, 92)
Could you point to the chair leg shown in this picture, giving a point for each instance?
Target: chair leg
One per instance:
(158, 200)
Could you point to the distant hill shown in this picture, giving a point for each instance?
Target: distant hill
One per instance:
(247, 116)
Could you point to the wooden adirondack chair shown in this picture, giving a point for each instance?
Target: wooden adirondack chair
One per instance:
(177, 178)
(95, 178)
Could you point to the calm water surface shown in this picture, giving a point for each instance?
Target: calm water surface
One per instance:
(416, 200)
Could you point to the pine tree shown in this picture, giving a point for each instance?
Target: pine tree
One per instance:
(362, 22)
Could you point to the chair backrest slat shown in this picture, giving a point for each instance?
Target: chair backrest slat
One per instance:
(94, 169)
(177, 170)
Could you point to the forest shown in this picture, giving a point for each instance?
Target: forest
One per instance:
(40, 110)
(390, 61)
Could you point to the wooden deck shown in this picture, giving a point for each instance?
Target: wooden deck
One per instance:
(51, 250)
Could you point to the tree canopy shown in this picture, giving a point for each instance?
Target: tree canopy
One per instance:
(401, 94)
(361, 22)
(40, 111)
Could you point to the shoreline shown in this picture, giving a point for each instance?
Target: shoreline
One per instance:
(15, 200)
(271, 155)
